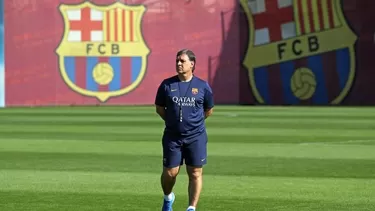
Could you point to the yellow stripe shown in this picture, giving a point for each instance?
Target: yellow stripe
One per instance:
(135, 21)
(119, 24)
(306, 16)
(105, 26)
(296, 17)
(336, 20)
(315, 11)
(325, 13)
(127, 25)
(112, 25)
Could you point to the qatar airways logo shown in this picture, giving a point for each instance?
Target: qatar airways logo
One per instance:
(184, 101)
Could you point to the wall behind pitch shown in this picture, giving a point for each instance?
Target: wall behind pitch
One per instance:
(35, 32)
(47, 65)
(2, 73)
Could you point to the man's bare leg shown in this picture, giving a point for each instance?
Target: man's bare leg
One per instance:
(195, 184)
(168, 179)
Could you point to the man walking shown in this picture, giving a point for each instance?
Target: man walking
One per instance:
(184, 101)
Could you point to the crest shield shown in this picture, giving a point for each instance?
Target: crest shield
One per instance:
(299, 51)
(102, 53)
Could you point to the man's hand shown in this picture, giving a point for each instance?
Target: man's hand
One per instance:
(208, 113)
(161, 111)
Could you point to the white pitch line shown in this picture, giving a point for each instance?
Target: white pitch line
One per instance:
(338, 142)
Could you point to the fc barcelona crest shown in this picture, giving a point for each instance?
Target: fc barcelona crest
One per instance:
(299, 51)
(194, 91)
(102, 53)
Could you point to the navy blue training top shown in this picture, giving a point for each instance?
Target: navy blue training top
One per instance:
(190, 98)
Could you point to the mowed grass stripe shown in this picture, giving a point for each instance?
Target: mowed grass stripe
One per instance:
(154, 118)
(321, 151)
(214, 122)
(287, 112)
(218, 165)
(364, 138)
(46, 201)
(224, 108)
(291, 115)
(239, 130)
(355, 190)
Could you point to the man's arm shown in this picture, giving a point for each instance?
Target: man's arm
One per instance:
(161, 111)
(208, 102)
(160, 101)
(208, 112)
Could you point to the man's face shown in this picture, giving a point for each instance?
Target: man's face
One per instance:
(183, 64)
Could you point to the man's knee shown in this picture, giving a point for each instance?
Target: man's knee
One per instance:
(194, 172)
(171, 172)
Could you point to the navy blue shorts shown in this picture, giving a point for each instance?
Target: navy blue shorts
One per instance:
(192, 150)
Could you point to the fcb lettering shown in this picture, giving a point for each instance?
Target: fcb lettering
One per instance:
(102, 49)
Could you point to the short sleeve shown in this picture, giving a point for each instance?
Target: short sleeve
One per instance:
(208, 98)
(160, 95)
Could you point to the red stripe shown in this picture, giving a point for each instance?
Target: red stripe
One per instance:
(300, 17)
(320, 14)
(80, 71)
(116, 36)
(311, 15)
(273, 18)
(86, 25)
(125, 71)
(103, 88)
(131, 25)
(330, 74)
(123, 25)
(275, 85)
(330, 13)
(299, 63)
(108, 27)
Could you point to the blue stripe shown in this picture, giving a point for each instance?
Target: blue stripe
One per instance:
(90, 83)
(2, 66)
(287, 70)
(70, 68)
(316, 65)
(115, 84)
(343, 66)
(261, 83)
(136, 67)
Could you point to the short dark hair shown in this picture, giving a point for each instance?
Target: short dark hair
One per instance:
(190, 54)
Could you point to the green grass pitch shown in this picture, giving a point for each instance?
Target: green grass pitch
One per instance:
(260, 158)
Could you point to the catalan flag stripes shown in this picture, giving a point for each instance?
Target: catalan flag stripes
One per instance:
(315, 15)
(119, 25)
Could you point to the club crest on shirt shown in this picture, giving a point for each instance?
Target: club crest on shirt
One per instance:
(102, 52)
(299, 51)
(194, 91)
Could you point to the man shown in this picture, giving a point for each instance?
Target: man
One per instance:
(184, 101)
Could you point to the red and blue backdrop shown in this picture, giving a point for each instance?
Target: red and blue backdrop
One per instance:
(274, 52)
